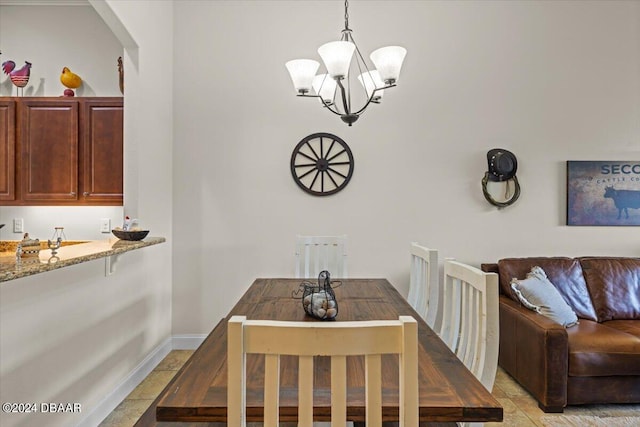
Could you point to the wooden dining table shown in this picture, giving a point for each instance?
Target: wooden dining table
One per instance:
(198, 393)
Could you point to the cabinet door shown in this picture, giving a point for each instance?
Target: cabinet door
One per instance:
(102, 151)
(7, 150)
(48, 141)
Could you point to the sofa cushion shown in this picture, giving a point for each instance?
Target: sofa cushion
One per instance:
(596, 349)
(629, 326)
(564, 273)
(614, 285)
(537, 293)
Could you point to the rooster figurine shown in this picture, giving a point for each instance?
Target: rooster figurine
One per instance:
(20, 77)
(70, 80)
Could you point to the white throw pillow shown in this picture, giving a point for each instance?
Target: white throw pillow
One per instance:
(537, 293)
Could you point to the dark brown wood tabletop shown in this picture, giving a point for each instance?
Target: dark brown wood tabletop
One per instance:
(197, 393)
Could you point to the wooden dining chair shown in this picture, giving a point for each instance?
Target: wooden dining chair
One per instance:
(470, 324)
(423, 283)
(335, 339)
(317, 253)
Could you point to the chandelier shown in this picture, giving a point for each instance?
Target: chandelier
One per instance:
(337, 57)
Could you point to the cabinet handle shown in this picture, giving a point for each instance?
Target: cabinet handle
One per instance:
(85, 194)
(73, 193)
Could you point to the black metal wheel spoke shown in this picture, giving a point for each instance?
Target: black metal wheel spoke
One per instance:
(321, 150)
(313, 151)
(307, 156)
(322, 181)
(344, 150)
(333, 142)
(332, 180)
(302, 165)
(335, 171)
(306, 173)
(339, 163)
(314, 179)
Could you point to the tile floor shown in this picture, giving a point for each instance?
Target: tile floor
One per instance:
(520, 409)
(132, 408)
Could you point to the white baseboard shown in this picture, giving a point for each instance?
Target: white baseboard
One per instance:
(187, 342)
(122, 390)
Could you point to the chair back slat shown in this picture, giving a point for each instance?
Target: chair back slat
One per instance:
(305, 391)
(470, 318)
(451, 312)
(373, 365)
(237, 366)
(424, 285)
(335, 339)
(271, 389)
(409, 402)
(317, 253)
(339, 391)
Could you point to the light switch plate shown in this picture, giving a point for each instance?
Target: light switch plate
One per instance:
(105, 225)
(18, 225)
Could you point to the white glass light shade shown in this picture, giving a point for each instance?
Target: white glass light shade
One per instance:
(302, 72)
(337, 57)
(325, 86)
(388, 61)
(371, 80)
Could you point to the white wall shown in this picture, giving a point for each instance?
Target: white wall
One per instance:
(51, 37)
(73, 335)
(80, 223)
(550, 81)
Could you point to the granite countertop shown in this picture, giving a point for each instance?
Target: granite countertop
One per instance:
(67, 255)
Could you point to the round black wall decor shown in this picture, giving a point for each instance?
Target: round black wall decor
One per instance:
(322, 164)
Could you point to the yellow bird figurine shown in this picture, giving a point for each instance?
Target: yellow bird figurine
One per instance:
(70, 80)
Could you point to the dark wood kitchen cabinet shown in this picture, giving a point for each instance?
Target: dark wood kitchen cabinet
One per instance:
(7, 151)
(101, 151)
(69, 151)
(48, 147)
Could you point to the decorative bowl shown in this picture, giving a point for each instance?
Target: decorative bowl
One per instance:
(130, 235)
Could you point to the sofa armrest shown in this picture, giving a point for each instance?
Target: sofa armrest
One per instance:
(535, 351)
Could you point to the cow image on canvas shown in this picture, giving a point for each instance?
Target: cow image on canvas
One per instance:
(623, 199)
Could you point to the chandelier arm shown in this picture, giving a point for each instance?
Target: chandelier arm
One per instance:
(364, 63)
(327, 105)
(344, 97)
(324, 103)
(371, 98)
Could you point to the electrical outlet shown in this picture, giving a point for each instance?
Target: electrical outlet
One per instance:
(105, 225)
(18, 225)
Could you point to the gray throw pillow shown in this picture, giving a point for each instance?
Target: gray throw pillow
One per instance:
(537, 293)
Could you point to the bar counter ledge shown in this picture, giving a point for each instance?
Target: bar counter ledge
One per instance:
(74, 253)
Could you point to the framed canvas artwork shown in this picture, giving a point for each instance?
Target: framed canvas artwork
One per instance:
(603, 192)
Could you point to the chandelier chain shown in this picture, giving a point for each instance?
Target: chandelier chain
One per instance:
(346, 14)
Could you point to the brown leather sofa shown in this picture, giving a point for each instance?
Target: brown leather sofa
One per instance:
(596, 361)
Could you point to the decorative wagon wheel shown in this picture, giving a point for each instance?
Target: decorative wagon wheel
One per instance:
(322, 164)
